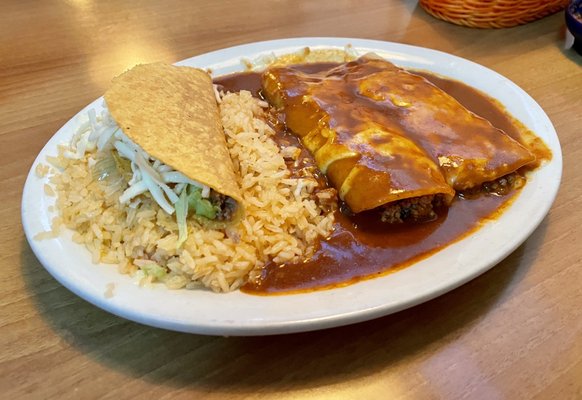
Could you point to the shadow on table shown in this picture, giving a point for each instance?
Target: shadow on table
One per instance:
(273, 363)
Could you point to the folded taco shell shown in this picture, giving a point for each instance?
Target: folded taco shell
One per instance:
(172, 114)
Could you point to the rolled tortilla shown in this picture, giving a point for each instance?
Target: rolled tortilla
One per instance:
(172, 114)
(382, 134)
(370, 165)
(468, 149)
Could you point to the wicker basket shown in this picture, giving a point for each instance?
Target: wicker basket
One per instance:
(492, 13)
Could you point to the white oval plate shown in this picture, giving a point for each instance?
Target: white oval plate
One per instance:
(238, 313)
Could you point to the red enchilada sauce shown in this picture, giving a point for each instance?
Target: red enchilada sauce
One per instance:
(362, 247)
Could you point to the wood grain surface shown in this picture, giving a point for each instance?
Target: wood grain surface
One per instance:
(513, 333)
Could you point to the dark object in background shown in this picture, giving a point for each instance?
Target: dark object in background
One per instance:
(574, 23)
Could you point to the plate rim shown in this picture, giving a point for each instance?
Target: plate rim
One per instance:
(302, 322)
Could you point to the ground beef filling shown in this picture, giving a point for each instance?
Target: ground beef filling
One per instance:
(416, 209)
(499, 187)
(226, 206)
(422, 209)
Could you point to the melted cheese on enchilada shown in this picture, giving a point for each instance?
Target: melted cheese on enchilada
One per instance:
(382, 134)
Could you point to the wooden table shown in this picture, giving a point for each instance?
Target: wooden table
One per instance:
(515, 332)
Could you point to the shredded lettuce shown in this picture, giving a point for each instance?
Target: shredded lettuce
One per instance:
(201, 206)
(104, 168)
(123, 166)
(181, 207)
(113, 170)
(191, 199)
(154, 270)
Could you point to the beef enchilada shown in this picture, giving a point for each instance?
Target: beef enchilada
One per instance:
(388, 139)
